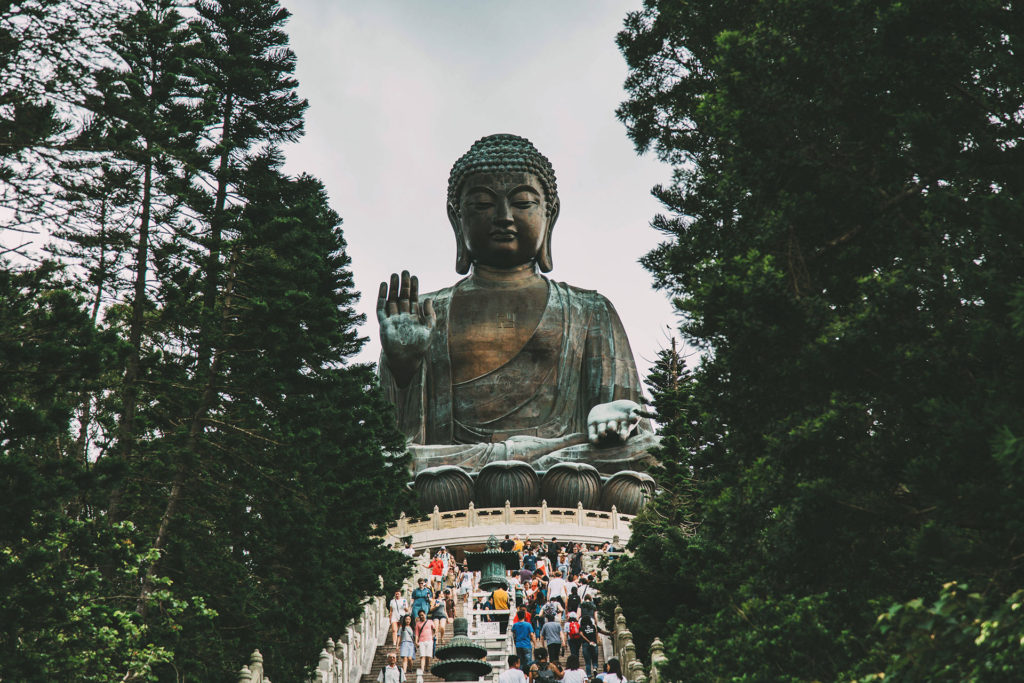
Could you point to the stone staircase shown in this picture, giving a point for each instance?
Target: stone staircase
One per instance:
(496, 657)
(381, 655)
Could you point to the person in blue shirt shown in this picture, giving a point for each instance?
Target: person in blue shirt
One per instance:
(522, 633)
(530, 562)
(421, 599)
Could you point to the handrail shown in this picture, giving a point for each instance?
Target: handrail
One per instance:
(450, 527)
(624, 648)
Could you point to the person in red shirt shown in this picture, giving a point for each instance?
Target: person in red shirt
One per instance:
(523, 614)
(436, 567)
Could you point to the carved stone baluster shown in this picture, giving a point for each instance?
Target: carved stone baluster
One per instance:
(344, 656)
(403, 526)
(628, 651)
(579, 514)
(544, 511)
(657, 658)
(340, 659)
(256, 666)
(323, 667)
(244, 675)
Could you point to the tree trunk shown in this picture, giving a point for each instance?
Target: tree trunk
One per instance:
(126, 428)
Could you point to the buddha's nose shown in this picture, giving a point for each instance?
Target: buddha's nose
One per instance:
(502, 213)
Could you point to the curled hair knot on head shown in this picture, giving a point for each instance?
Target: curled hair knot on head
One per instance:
(501, 153)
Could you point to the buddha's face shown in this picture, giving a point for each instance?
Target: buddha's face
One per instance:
(503, 219)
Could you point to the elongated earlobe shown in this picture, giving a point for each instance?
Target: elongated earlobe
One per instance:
(544, 261)
(462, 255)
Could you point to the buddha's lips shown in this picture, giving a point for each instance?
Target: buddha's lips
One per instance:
(503, 235)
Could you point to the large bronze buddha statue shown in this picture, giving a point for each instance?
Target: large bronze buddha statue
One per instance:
(507, 365)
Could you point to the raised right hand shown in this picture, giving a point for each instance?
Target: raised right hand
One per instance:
(405, 325)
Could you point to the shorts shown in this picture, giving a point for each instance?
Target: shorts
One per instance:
(407, 649)
(426, 648)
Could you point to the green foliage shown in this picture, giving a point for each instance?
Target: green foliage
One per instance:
(190, 466)
(841, 243)
(961, 636)
(63, 616)
(311, 443)
(49, 353)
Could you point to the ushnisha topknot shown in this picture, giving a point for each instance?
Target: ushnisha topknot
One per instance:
(499, 153)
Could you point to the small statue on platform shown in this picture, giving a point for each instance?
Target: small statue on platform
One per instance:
(507, 365)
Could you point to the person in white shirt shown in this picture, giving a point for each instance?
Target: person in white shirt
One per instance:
(399, 607)
(513, 674)
(391, 673)
(614, 673)
(573, 673)
(446, 558)
(407, 550)
(556, 588)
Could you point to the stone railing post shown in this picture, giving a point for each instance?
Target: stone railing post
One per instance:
(323, 667)
(244, 675)
(256, 667)
(579, 514)
(507, 516)
(657, 659)
(615, 518)
(345, 660)
(340, 662)
(471, 514)
(403, 526)
(435, 518)
(627, 650)
(544, 512)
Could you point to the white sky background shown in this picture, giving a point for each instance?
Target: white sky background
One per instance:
(399, 89)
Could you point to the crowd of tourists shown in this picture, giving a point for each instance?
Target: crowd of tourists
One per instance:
(556, 603)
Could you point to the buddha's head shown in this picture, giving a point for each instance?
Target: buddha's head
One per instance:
(502, 204)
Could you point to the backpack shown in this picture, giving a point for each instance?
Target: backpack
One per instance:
(574, 630)
(551, 610)
(546, 675)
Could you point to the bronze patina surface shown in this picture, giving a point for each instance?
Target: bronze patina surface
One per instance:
(507, 364)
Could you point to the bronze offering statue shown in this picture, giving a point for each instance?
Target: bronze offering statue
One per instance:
(507, 365)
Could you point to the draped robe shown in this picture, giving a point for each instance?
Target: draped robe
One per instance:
(534, 407)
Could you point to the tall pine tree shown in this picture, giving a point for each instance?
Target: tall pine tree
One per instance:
(278, 524)
(843, 243)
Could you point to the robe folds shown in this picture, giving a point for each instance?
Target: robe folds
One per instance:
(533, 405)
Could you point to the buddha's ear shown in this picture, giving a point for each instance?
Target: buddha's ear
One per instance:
(462, 256)
(544, 257)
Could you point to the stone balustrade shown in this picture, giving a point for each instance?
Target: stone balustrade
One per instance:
(253, 672)
(346, 658)
(474, 525)
(624, 649)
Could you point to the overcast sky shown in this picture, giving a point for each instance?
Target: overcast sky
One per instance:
(399, 89)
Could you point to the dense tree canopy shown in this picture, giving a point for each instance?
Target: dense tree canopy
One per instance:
(190, 465)
(844, 247)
